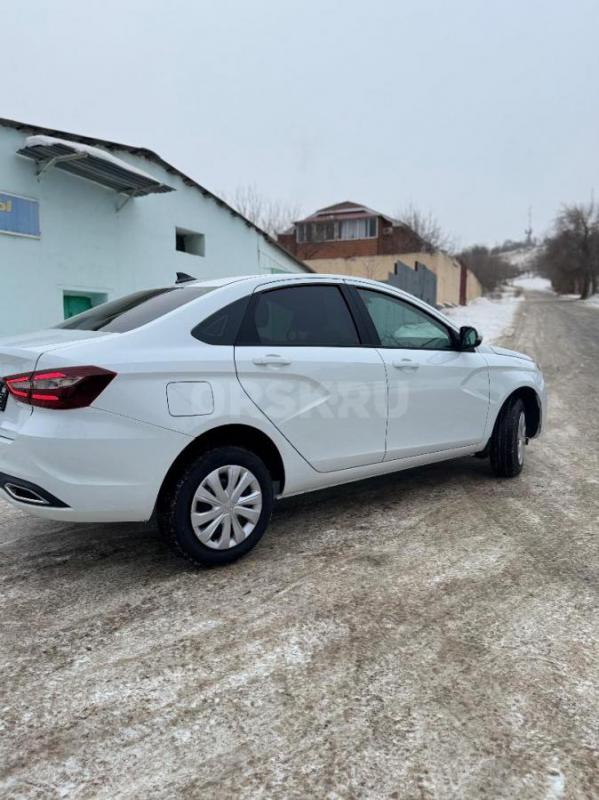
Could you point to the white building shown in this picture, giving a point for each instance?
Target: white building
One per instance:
(85, 220)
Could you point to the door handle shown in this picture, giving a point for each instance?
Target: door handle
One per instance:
(406, 363)
(271, 360)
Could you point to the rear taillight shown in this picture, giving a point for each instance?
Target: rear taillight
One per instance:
(70, 387)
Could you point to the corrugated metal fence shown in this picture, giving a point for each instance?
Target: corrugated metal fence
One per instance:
(421, 281)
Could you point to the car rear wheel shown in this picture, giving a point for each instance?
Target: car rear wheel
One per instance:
(509, 440)
(219, 507)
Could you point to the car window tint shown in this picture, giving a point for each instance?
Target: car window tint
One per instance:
(222, 327)
(399, 324)
(312, 316)
(134, 310)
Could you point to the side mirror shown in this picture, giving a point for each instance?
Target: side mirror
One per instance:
(469, 338)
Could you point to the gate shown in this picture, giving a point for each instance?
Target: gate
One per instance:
(420, 281)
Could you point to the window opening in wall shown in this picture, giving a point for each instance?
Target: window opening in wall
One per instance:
(190, 242)
(74, 302)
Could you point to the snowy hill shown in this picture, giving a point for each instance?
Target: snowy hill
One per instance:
(522, 258)
(528, 280)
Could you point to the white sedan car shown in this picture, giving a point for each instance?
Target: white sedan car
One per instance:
(202, 402)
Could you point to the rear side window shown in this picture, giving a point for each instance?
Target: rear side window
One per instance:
(309, 316)
(223, 326)
(134, 310)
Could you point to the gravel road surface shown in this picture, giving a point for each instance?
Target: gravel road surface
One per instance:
(432, 634)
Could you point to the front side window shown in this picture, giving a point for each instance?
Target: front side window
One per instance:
(312, 316)
(399, 324)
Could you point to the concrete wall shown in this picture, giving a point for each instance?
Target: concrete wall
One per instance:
(375, 267)
(473, 287)
(86, 246)
(446, 268)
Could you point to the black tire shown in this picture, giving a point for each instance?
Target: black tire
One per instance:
(504, 450)
(174, 510)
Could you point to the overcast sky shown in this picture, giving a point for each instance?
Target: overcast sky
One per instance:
(473, 109)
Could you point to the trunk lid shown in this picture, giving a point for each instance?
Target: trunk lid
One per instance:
(19, 355)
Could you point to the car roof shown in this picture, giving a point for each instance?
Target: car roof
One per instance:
(283, 276)
(255, 281)
(287, 277)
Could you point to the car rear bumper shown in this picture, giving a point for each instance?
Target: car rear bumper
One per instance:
(27, 493)
(87, 465)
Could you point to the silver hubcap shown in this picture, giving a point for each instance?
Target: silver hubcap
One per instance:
(226, 507)
(521, 438)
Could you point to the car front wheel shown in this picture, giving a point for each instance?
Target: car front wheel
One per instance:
(219, 507)
(509, 440)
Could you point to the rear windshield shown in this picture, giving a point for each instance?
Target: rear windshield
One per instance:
(134, 310)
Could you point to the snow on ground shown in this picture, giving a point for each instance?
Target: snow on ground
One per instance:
(534, 282)
(493, 318)
(592, 301)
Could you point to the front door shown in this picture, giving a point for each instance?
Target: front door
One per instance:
(438, 395)
(300, 360)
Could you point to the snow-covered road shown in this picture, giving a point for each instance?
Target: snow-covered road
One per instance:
(432, 634)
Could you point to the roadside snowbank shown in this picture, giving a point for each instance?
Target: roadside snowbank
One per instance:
(493, 318)
(592, 301)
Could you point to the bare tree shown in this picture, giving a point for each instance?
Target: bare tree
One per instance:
(489, 267)
(570, 256)
(273, 216)
(426, 225)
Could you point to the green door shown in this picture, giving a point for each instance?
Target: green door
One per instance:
(75, 304)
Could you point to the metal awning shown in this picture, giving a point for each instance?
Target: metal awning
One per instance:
(92, 163)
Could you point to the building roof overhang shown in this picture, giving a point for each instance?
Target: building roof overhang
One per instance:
(91, 163)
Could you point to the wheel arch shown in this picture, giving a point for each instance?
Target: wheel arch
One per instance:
(532, 409)
(238, 435)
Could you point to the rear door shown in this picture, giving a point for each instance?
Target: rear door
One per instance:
(438, 395)
(300, 359)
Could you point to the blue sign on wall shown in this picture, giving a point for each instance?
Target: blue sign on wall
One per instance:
(19, 215)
